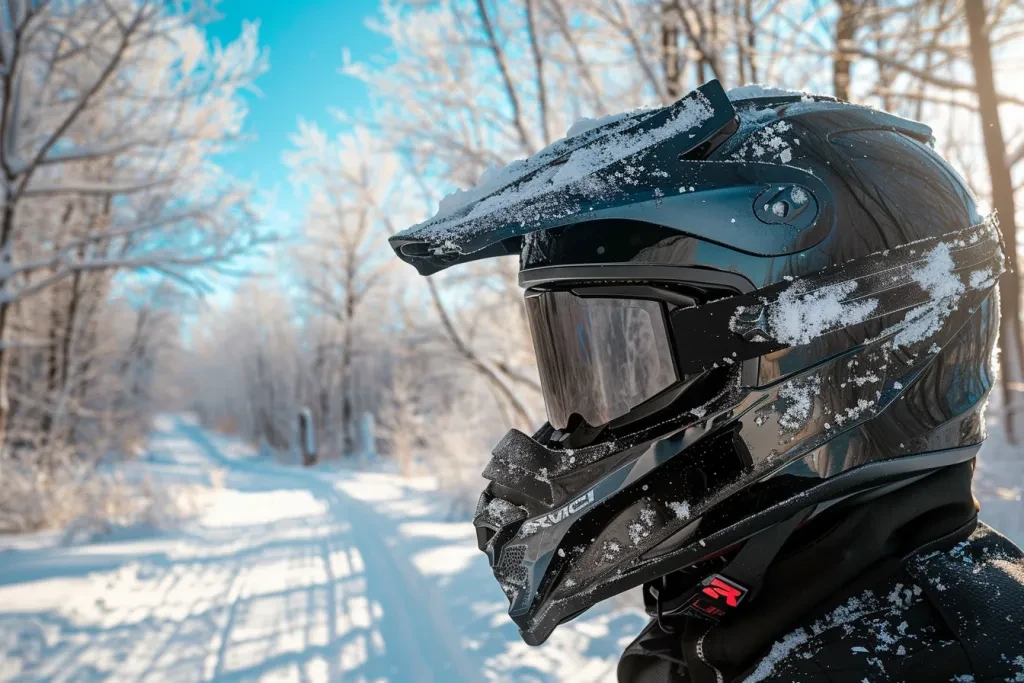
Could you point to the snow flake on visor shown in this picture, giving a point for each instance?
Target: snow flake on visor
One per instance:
(799, 316)
(799, 395)
(767, 144)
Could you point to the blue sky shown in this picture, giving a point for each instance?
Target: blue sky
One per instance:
(305, 39)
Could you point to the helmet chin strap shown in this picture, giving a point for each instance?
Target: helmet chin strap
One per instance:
(719, 594)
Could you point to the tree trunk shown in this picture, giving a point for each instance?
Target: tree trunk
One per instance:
(137, 355)
(347, 448)
(1010, 339)
(6, 261)
(323, 392)
(346, 397)
(53, 362)
(670, 49)
(90, 301)
(89, 293)
(710, 42)
(741, 45)
(70, 320)
(845, 29)
(748, 11)
(885, 73)
(55, 344)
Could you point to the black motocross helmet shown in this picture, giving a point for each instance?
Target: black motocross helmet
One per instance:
(744, 312)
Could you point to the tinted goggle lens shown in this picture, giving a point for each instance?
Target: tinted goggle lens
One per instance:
(599, 357)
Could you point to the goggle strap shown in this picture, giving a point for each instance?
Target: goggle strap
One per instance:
(739, 328)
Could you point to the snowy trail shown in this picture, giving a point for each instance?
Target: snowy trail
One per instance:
(404, 611)
(288, 574)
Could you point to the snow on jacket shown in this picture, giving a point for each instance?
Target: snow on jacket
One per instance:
(909, 587)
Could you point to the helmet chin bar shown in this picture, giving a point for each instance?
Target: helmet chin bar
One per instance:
(553, 602)
(571, 520)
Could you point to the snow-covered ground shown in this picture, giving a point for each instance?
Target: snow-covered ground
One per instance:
(287, 574)
(293, 574)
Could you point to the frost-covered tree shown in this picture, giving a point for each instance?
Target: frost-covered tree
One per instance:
(341, 259)
(110, 113)
(244, 367)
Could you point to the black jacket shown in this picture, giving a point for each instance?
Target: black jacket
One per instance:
(909, 587)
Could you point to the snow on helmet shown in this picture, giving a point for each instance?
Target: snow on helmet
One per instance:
(743, 313)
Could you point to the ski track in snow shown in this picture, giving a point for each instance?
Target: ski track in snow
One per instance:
(287, 575)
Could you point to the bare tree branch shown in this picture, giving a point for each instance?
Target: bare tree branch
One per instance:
(506, 77)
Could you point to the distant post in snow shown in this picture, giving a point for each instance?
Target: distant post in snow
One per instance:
(307, 437)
